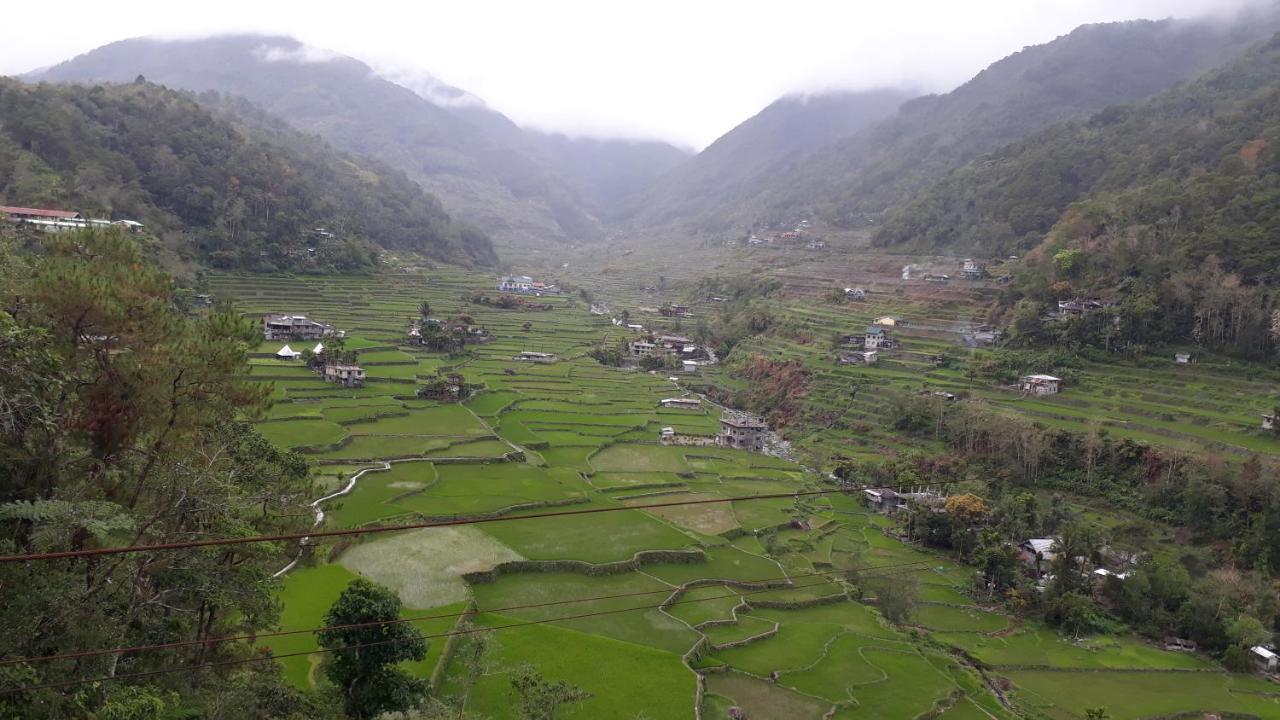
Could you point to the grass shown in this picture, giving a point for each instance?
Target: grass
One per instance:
(425, 566)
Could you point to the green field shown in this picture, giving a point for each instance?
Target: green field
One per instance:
(573, 436)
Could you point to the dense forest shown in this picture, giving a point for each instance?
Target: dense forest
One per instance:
(228, 187)
(122, 424)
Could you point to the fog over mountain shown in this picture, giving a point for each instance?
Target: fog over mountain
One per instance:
(680, 72)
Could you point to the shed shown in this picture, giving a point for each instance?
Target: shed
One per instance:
(1040, 384)
(287, 353)
(1182, 358)
(1265, 658)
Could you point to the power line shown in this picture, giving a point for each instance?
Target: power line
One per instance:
(284, 633)
(219, 542)
(242, 661)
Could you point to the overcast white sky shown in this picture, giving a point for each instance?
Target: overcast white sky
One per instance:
(681, 70)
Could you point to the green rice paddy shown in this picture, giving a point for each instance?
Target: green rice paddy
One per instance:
(572, 436)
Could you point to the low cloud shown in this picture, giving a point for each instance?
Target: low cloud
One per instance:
(301, 55)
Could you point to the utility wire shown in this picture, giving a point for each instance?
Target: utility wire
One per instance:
(242, 661)
(76, 655)
(311, 535)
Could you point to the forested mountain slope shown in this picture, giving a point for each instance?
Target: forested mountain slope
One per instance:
(1206, 148)
(749, 157)
(480, 164)
(851, 181)
(232, 189)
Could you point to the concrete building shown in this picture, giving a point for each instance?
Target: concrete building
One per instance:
(681, 403)
(530, 356)
(743, 431)
(345, 375)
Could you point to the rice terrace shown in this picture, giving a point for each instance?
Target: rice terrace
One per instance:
(725, 361)
(679, 611)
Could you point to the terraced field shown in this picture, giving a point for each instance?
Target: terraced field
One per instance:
(674, 612)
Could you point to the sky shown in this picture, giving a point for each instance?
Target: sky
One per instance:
(682, 71)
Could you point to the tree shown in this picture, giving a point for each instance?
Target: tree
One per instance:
(896, 596)
(1247, 631)
(122, 424)
(540, 699)
(1098, 713)
(362, 659)
(424, 310)
(527, 326)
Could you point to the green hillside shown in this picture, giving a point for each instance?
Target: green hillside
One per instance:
(229, 189)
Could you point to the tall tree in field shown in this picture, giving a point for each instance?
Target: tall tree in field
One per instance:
(541, 699)
(363, 660)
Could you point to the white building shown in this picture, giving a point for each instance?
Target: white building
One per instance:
(1264, 658)
(287, 353)
(530, 356)
(515, 283)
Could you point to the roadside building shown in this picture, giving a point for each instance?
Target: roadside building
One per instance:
(345, 375)
(743, 431)
(1040, 384)
(21, 213)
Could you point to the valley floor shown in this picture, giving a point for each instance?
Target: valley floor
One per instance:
(677, 612)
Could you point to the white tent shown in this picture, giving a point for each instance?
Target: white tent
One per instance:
(287, 353)
(319, 348)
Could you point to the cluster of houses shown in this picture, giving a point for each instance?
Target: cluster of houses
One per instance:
(420, 331)
(738, 430)
(54, 221)
(789, 236)
(298, 327)
(344, 374)
(525, 285)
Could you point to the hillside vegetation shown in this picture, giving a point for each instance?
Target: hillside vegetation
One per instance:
(487, 170)
(242, 194)
(850, 181)
(1169, 207)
